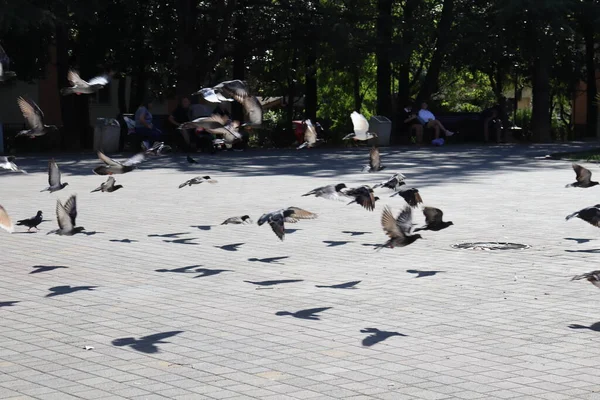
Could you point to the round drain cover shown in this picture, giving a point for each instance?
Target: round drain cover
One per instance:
(490, 246)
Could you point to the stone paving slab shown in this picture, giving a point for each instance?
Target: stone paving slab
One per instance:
(177, 306)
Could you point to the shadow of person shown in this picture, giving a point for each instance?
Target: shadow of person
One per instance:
(146, 344)
(61, 290)
(310, 313)
(377, 336)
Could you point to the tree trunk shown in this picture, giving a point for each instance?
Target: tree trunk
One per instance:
(356, 89)
(310, 80)
(540, 117)
(67, 109)
(592, 89)
(239, 55)
(408, 38)
(384, 71)
(443, 37)
(186, 44)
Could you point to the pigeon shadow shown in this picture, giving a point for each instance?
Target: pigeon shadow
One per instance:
(311, 313)
(592, 251)
(181, 270)
(269, 260)
(182, 241)
(594, 327)
(123, 240)
(290, 231)
(371, 244)
(272, 283)
(90, 233)
(168, 235)
(347, 285)
(580, 241)
(421, 274)
(8, 303)
(204, 272)
(194, 269)
(334, 243)
(24, 232)
(145, 344)
(45, 268)
(62, 290)
(230, 247)
(377, 336)
(356, 233)
(202, 227)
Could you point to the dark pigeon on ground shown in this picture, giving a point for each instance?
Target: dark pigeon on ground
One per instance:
(32, 222)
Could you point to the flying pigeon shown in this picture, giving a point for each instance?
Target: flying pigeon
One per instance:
(218, 125)
(361, 128)
(584, 177)
(362, 195)
(410, 195)
(244, 219)
(157, 149)
(394, 182)
(79, 86)
(190, 160)
(398, 229)
(590, 215)
(238, 91)
(65, 216)
(5, 221)
(5, 73)
(433, 220)
(197, 180)
(54, 178)
(32, 222)
(108, 186)
(374, 161)
(115, 167)
(593, 277)
(330, 192)
(277, 218)
(8, 163)
(310, 136)
(34, 119)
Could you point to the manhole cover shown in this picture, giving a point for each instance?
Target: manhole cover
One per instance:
(490, 246)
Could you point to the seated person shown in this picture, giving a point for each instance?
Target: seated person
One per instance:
(491, 121)
(411, 120)
(428, 120)
(143, 123)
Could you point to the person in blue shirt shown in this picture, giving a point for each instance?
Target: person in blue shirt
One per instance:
(143, 122)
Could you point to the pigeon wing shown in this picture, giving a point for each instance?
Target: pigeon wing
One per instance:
(277, 226)
(432, 215)
(5, 221)
(32, 117)
(404, 221)
(70, 207)
(107, 160)
(136, 159)
(361, 125)
(236, 89)
(583, 174)
(63, 218)
(253, 109)
(388, 222)
(374, 159)
(298, 213)
(75, 80)
(110, 182)
(53, 174)
(99, 80)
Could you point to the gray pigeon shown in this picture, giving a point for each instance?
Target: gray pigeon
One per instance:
(330, 192)
(115, 167)
(374, 161)
(32, 222)
(244, 219)
(394, 182)
(277, 218)
(66, 214)
(8, 163)
(108, 186)
(197, 180)
(310, 135)
(398, 229)
(238, 91)
(217, 125)
(34, 119)
(79, 86)
(54, 178)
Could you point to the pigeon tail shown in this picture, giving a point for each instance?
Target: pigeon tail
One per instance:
(575, 214)
(96, 190)
(66, 91)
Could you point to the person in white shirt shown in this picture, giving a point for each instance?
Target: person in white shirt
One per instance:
(428, 120)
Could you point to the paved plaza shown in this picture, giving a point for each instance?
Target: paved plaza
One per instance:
(176, 306)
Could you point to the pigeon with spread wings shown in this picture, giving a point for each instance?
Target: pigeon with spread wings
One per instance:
(330, 192)
(34, 119)
(364, 196)
(108, 186)
(112, 167)
(197, 180)
(244, 219)
(374, 161)
(277, 218)
(9, 164)
(310, 135)
(5, 221)
(394, 182)
(79, 86)
(238, 91)
(66, 214)
(398, 229)
(5, 72)
(584, 177)
(591, 215)
(410, 195)
(217, 125)
(54, 182)
(593, 277)
(361, 128)
(433, 220)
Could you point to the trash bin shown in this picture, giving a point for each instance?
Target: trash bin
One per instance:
(382, 126)
(107, 133)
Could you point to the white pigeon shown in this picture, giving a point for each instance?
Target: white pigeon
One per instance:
(8, 163)
(79, 86)
(361, 128)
